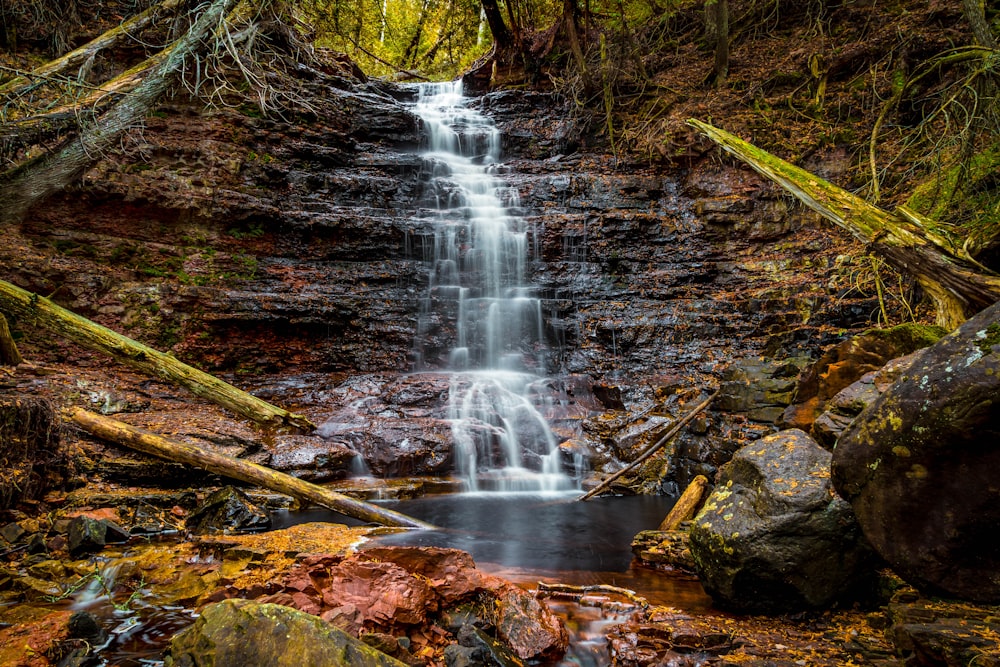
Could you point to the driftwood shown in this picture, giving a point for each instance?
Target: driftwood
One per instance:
(34, 181)
(244, 471)
(958, 286)
(34, 309)
(687, 505)
(576, 592)
(652, 449)
(9, 356)
(78, 58)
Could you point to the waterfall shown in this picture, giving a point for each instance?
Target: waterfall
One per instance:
(480, 319)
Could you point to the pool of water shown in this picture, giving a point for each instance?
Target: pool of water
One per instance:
(551, 537)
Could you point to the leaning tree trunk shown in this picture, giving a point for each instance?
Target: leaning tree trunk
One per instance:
(78, 58)
(958, 286)
(39, 180)
(139, 439)
(37, 310)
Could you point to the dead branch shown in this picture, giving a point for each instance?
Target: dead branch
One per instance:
(652, 449)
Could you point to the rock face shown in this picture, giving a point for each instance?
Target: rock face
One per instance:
(773, 536)
(256, 249)
(919, 465)
(236, 633)
(849, 402)
(846, 363)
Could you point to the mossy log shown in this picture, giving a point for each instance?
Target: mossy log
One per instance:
(36, 310)
(36, 180)
(141, 440)
(957, 285)
(78, 58)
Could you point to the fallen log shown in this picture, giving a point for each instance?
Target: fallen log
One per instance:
(956, 284)
(652, 449)
(37, 310)
(141, 440)
(687, 505)
(576, 592)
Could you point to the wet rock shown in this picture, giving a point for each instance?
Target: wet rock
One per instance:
(773, 536)
(849, 402)
(927, 634)
(84, 625)
(666, 636)
(451, 572)
(847, 363)
(527, 626)
(760, 389)
(664, 549)
(228, 510)
(236, 633)
(476, 648)
(918, 465)
(13, 533)
(310, 458)
(88, 535)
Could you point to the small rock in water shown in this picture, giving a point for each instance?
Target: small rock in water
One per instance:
(228, 510)
(88, 535)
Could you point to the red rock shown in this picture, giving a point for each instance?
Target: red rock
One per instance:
(451, 572)
(384, 593)
(526, 625)
(305, 603)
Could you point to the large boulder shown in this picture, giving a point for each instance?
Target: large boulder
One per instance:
(773, 536)
(237, 633)
(919, 465)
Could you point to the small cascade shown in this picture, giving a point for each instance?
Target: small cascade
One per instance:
(480, 319)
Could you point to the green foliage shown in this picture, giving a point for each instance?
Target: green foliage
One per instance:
(440, 38)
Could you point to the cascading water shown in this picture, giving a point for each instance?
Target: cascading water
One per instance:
(480, 319)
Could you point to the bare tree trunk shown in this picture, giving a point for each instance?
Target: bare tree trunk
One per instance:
(717, 19)
(958, 286)
(139, 439)
(31, 308)
(570, 14)
(975, 14)
(39, 180)
(687, 505)
(503, 39)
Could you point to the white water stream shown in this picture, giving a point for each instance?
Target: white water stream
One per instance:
(479, 302)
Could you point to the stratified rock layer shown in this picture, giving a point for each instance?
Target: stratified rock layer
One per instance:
(919, 465)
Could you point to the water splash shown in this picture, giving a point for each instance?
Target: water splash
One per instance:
(480, 317)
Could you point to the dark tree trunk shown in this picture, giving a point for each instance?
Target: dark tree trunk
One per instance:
(503, 39)
(976, 16)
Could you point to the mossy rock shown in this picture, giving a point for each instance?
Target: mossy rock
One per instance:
(238, 633)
